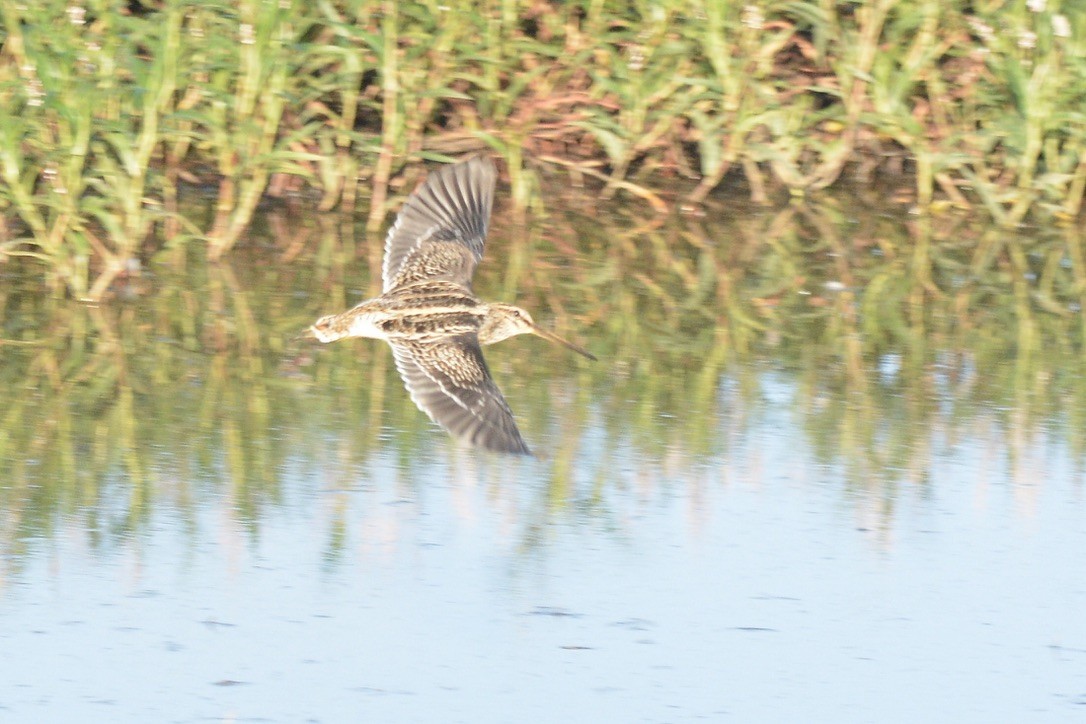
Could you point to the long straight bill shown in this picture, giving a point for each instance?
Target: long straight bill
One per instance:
(551, 336)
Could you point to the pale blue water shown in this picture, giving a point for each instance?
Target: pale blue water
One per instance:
(752, 585)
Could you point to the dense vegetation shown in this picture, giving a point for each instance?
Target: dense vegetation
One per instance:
(108, 106)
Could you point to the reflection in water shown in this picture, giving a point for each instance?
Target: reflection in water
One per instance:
(829, 449)
(886, 340)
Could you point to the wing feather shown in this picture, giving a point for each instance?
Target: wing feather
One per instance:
(449, 381)
(441, 229)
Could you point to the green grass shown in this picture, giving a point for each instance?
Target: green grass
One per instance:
(107, 107)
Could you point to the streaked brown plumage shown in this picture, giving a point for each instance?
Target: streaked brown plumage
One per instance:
(433, 321)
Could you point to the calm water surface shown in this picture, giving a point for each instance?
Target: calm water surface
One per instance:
(205, 519)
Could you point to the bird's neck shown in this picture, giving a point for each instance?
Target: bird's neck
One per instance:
(496, 325)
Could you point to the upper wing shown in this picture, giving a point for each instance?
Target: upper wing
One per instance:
(449, 381)
(440, 231)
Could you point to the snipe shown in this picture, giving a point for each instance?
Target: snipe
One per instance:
(429, 315)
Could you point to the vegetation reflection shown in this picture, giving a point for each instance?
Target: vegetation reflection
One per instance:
(893, 337)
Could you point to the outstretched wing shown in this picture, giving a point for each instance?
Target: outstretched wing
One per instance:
(440, 231)
(449, 381)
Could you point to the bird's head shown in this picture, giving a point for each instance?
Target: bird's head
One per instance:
(326, 329)
(504, 320)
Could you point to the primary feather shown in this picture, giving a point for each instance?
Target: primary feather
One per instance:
(440, 232)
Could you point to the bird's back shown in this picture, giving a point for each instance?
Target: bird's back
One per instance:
(429, 311)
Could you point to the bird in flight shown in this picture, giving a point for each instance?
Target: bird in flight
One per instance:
(432, 319)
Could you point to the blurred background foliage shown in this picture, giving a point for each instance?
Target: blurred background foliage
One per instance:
(111, 110)
(221, 173)
(887, 337)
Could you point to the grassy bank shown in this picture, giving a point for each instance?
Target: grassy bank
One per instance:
(107, 107)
